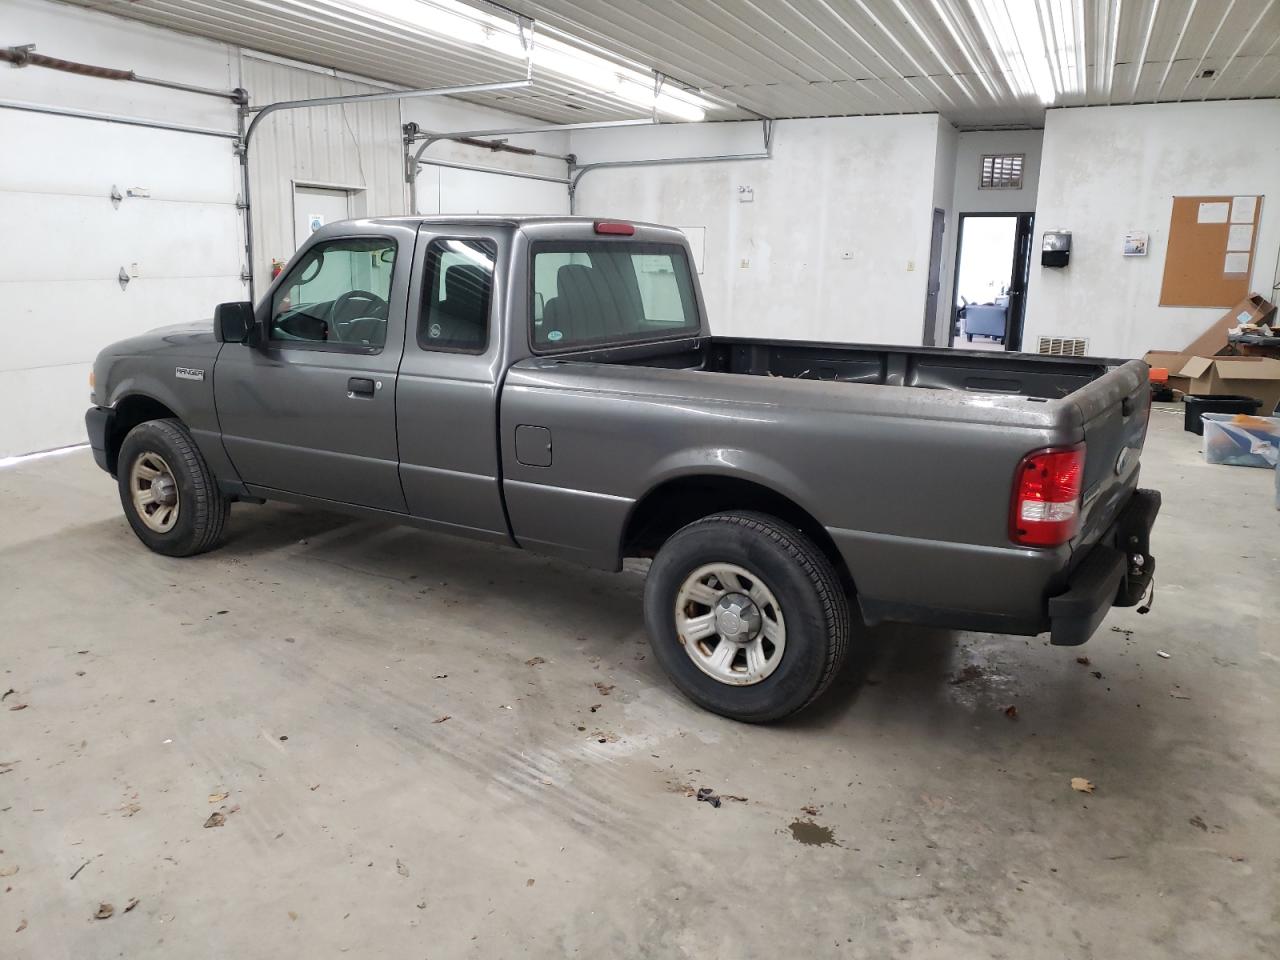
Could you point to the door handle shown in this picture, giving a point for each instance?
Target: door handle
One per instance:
(360, 387)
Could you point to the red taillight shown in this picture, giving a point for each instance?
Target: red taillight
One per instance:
(1046, 497)
(615, 228)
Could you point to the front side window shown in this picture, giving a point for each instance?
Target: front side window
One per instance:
(337, 294)
(594, 292)
(456, 295)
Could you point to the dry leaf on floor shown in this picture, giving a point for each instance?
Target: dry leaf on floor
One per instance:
(401, 869)
(1011, 712)
(18, 706)
(216, 819)
(1083, 661)
(21, 926)
(810, 809)
(5, 695)
(604, 688)
(707, 795)
(104, 910)
(129, 809)
(441, 719)
(218, 797)
(535, 661)
(1081, 784)
(529, 882)
(8, 871)
(133, 902)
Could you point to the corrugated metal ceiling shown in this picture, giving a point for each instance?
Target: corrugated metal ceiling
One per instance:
(786, 58)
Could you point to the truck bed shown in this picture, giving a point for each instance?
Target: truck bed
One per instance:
(930, 368)
(912, 482)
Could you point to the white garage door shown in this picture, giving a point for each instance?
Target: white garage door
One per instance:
(63, 243)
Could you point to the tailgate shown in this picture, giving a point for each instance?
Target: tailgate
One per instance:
(1114, 409)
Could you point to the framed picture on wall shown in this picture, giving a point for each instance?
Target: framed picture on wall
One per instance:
(1135, 243)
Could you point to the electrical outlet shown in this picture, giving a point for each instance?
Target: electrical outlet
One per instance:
(744, 263)
(846, 255)
(746, 194)
(911, 266)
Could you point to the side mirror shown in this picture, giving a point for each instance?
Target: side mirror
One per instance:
(232, 321)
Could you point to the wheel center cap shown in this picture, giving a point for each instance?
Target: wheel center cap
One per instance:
(165, 490)
(737, 617)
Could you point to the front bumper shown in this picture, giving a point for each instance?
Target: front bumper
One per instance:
(1117, 572)
(98, 422)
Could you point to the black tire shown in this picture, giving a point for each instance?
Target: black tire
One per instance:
(202, 509)
(808, 590)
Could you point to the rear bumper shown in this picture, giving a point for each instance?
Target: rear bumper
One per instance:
(1117, 572)
(97, 423)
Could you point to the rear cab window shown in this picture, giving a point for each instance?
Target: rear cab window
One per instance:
(593, 292)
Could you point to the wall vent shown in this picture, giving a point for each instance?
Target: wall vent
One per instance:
(1001, 171)
(1064, 346)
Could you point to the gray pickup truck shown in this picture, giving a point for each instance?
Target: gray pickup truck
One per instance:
(552, 385)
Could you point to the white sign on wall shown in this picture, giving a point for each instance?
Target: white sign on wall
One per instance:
(697, 237)
(1135, 243)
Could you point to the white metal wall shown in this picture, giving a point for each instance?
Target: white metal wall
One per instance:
(830, 243)
(355, 146)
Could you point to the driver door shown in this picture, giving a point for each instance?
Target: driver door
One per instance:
(311, 411)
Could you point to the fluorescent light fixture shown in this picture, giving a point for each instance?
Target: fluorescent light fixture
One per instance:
(459, 22)
(1012, 28)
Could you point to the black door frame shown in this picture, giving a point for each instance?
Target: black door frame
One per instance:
(1020, 270)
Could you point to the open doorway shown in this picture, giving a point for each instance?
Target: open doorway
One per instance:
(993, 257)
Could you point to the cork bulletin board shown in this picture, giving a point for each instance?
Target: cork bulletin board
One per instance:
(1210, 253)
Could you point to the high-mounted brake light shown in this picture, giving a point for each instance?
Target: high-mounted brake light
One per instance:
(1046, 497)
(615, 228)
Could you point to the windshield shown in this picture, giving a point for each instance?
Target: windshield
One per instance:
(605, 291)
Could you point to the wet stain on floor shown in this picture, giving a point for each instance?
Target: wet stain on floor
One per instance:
(812, 834)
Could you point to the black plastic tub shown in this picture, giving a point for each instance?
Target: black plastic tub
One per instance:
(1197, 404)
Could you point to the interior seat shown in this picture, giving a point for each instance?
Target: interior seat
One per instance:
(587, 306)
(460, 319)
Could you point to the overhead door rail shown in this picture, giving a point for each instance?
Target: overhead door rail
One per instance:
(574, 171)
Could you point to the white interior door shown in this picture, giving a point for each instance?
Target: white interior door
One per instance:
(313, 207)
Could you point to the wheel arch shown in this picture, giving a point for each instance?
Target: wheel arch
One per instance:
(131, 410)
(678, 501)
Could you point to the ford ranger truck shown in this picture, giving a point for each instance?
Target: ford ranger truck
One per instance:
(552, 384)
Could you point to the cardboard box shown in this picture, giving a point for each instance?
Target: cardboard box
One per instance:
(1251, 310)
(1172, 361)
(1257, 377)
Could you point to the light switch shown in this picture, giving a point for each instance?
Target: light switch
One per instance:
(911, 265)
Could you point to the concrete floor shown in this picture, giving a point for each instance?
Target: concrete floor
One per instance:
(307, 667)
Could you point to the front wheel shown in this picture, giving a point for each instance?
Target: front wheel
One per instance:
(168, 493)
(746, 615)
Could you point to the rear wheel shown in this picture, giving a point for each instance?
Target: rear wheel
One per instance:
(747, 616)
(168, 493)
